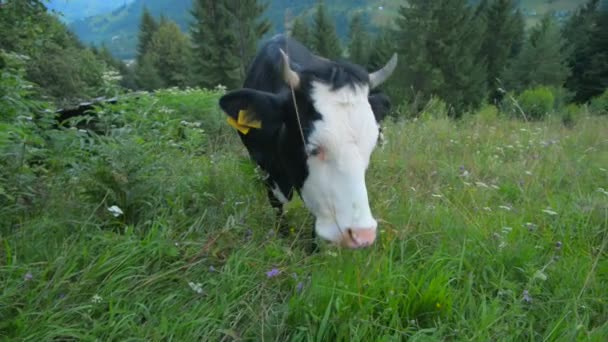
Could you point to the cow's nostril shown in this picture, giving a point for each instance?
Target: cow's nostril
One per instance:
(351, 234)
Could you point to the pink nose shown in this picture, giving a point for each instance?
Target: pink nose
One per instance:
(359, 237)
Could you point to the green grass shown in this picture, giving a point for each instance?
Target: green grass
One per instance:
(490, 229)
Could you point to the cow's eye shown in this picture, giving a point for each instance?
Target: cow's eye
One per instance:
(315, 151)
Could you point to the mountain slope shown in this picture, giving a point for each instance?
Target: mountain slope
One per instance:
(118, 29)
(72, 10)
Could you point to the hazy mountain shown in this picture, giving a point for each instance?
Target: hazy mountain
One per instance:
(78, 9)
(118, 28)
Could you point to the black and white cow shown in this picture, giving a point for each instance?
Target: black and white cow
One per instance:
(323, 149)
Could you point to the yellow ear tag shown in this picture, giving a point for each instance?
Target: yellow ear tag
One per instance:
(244, 122)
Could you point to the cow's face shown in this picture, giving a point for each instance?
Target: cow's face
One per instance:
(340, 128)
(339, 147)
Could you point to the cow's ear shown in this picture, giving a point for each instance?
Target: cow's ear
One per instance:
(381, 105)
(248, 108)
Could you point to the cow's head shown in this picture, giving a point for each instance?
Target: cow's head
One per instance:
(339, 119)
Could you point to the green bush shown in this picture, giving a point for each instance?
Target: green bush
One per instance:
(536, 103)
(599, 104)
(570, 114)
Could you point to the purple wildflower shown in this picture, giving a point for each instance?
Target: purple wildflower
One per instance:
(299, 287)
(273, 273)
(558, 244)
(527, 297)
(211, 268)
(28, 276)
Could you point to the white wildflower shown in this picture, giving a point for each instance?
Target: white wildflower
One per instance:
(487, 208)
(549, 211)
(540, 275)
(504, 207)
(115, 210)
(528, 173)
(198, 287)
(96, 299)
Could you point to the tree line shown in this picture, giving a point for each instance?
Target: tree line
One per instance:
(464, 54)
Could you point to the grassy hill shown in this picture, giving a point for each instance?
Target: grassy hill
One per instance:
(118, 29)
(159, 229)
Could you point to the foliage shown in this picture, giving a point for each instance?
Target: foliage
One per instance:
(58, 62)
(215, 41)
(359, 41)
(599, 104)
(441, 41)
(147, 28)
(326, 42)
(541, 61)
(586, 36)
(22, 145)
(21, 24)
(537, 103)
(250, 27)
(147, 75)
(300, 31)
(490, 229)
(503, 36)
(170, 52)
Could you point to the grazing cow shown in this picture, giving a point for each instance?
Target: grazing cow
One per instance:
(311, 124)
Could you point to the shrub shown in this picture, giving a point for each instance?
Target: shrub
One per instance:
(436, 108)
(599, 104)
(536, 103)
(570, 114)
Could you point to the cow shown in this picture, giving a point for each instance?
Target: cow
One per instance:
(311, 125)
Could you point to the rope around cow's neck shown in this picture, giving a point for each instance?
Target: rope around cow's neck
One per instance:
(293, 92)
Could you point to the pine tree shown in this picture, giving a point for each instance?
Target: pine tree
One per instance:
(359, 42)
(440, 42)
(170, 51)
(146, 74)
(224, 36)
(300, 31)
(147, 28)
(326, 42)
(541, 61)
(585, 38)
(249, 28)
(504, 28)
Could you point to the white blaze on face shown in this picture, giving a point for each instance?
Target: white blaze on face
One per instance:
(335, 189)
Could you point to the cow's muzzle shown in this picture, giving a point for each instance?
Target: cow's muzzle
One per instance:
(358, 237)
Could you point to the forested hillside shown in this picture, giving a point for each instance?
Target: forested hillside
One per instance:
(118, 29)
(72, 10)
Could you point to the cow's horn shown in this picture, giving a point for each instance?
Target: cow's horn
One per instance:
(291, 77)
(378, 77)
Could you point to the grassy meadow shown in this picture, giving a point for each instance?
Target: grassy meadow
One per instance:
(158, 229)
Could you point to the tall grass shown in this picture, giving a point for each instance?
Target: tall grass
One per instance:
(490, 229)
